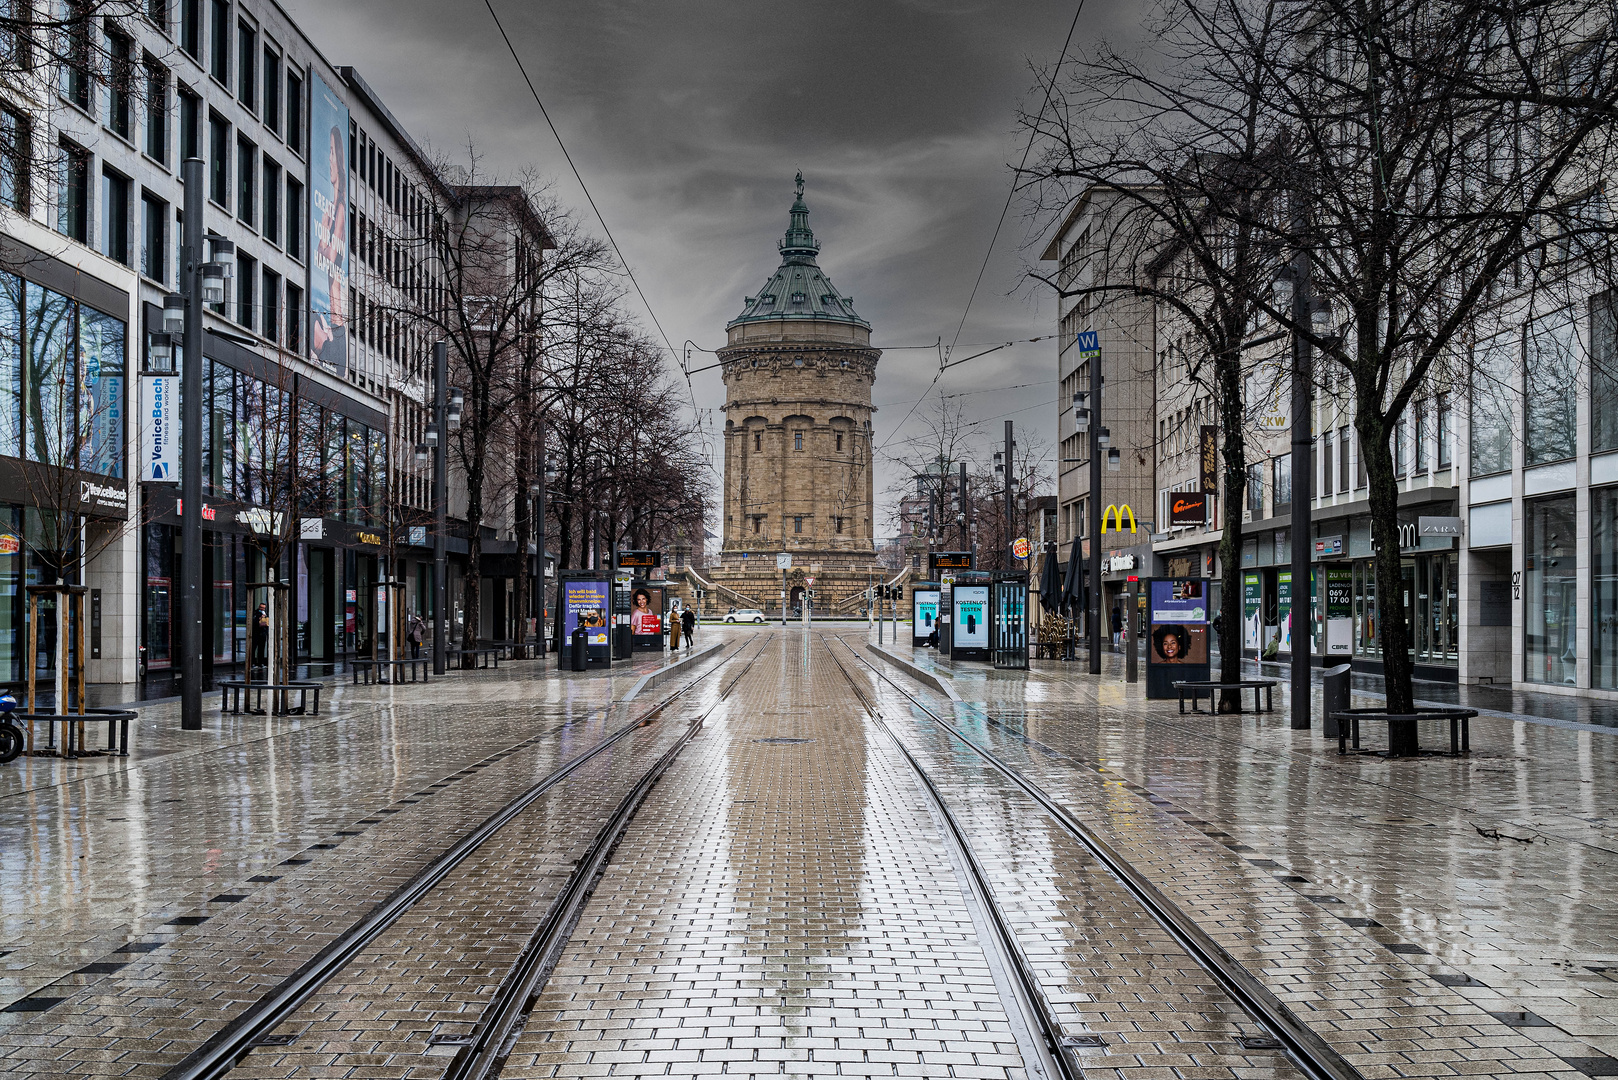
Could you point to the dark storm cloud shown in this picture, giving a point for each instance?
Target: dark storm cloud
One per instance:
(689, 119)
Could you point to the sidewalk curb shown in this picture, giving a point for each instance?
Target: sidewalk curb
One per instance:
(652, 678)
(920, 674)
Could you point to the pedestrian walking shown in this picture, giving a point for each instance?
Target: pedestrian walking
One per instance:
(416, 635)
(261, 636)
(674, 630)
(688, 623)
(1117, 626)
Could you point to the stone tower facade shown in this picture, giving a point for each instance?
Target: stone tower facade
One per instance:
(798, 368)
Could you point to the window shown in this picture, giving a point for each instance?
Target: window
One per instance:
(1604, 587)
(294, 218)
(73, 193)
(839, 442)
(271, 226)
(16, 151)
(1343, 444)
(76, 54)
(1326, 474)
(154, 239)
(839, 522)
(120, 83)
(1444, 455)
(246, 270)
(247, 65)
(1421, 436)
(1604, 372)
(757, 522)
(158, 12)
(758, 440)
(190, 124)
(246, 181)
(295, 111)
(797, 440)
(157, 111)
(272, 90)
(219, 54)
(294, 318)
(270, 299)
(797, 524)
(1283, 483)
(191, 28)
(1255, 490)
(1401, 448)
(219, 160)
(1551, 406)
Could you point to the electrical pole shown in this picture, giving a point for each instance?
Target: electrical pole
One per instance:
(1094, 608)
(440, 508)
(1011, 532)
(1303, 444)
(191, 594)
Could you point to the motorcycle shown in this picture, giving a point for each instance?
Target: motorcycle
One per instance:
(11, 736)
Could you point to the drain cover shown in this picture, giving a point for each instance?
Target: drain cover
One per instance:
(1083, 1041)
(1257, 1042)
(781, 742)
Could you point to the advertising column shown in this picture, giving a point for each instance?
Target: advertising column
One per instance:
(1177, 635)
(924, 613)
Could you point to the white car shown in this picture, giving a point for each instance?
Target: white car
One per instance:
(746, 615)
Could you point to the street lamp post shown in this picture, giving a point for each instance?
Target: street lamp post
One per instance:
(1309, 314)
(446, 418)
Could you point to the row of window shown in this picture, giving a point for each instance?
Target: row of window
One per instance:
(797, 523)
(797, 440)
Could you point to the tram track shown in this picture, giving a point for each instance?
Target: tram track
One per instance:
(1301, 1044)
(481, 1054)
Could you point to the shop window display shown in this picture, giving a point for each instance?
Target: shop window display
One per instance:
(1550, 604)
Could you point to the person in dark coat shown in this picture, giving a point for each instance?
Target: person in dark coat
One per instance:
(1117, 625)
(688, 623)
(261, 636)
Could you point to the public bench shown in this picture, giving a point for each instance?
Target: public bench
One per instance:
(1263, 693)
(1402, 737)
(369, 671)
(238, 695)
(117, 721)
(482, 657)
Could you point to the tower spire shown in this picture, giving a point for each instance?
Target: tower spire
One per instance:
(799, 242)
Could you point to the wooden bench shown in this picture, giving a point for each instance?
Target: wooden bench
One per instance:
(1263, 693)
(237, 696)
(374, 670)
(117, 721)
(1402, 740)
(486, 655)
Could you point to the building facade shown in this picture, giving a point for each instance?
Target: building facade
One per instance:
(316, 380)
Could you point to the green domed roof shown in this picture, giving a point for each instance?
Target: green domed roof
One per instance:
(799, 289)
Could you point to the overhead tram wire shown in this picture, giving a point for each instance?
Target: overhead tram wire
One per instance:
(622, 260)
(1061, 58)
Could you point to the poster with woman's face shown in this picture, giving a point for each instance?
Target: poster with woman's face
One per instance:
(1179, 643)
(645, 611)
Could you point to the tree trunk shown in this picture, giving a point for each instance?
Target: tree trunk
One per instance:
(519, 594)
(1393, 632)
(1230, 541)
(472, 593)
(564, 540)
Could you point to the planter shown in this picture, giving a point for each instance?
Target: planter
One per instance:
(1403, 733)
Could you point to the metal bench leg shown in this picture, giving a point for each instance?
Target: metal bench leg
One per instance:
(1454, 737)
(1466, 734)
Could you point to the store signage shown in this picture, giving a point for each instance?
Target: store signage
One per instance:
(1089, 344)
(1327, 546)
(1188, 508)
(418, 536)
(159, 408)
(208, 512)
(1116, 515)
(1209, 457)
(10, 543)
(264, 522)
(1339, 611)
(312, 528)
(370, 538)
(103, 496)
(1120, 562)
(1020, 547)
(1438, 526)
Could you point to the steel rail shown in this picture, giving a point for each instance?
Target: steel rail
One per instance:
(1032, 1001)
(1302, 1044)
(225, 1048)
(497, 1027)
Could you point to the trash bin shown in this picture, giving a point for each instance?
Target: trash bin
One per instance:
(1335, 698)
(578, 649)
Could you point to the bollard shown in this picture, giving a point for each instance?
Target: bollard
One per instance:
(1335, 699)
(578, 649)
(1131, 644)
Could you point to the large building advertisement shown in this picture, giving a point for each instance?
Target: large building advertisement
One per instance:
(328, 227)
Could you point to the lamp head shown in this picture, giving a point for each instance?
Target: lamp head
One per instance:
(174, 313)
(213, 282)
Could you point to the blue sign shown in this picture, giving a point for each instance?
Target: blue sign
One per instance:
(1179, 600)
(1088, 344)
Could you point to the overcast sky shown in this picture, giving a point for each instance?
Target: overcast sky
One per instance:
(688, 120)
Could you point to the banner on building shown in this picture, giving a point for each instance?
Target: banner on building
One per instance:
(1208, 457)
(1188, 508)
(328, 227)
(160, 428)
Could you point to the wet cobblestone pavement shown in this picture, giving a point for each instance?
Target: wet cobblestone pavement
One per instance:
(786, 901)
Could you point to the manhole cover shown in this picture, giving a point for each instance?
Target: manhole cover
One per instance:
(781, 742)
(1258, 1042)
(1081, 1042)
